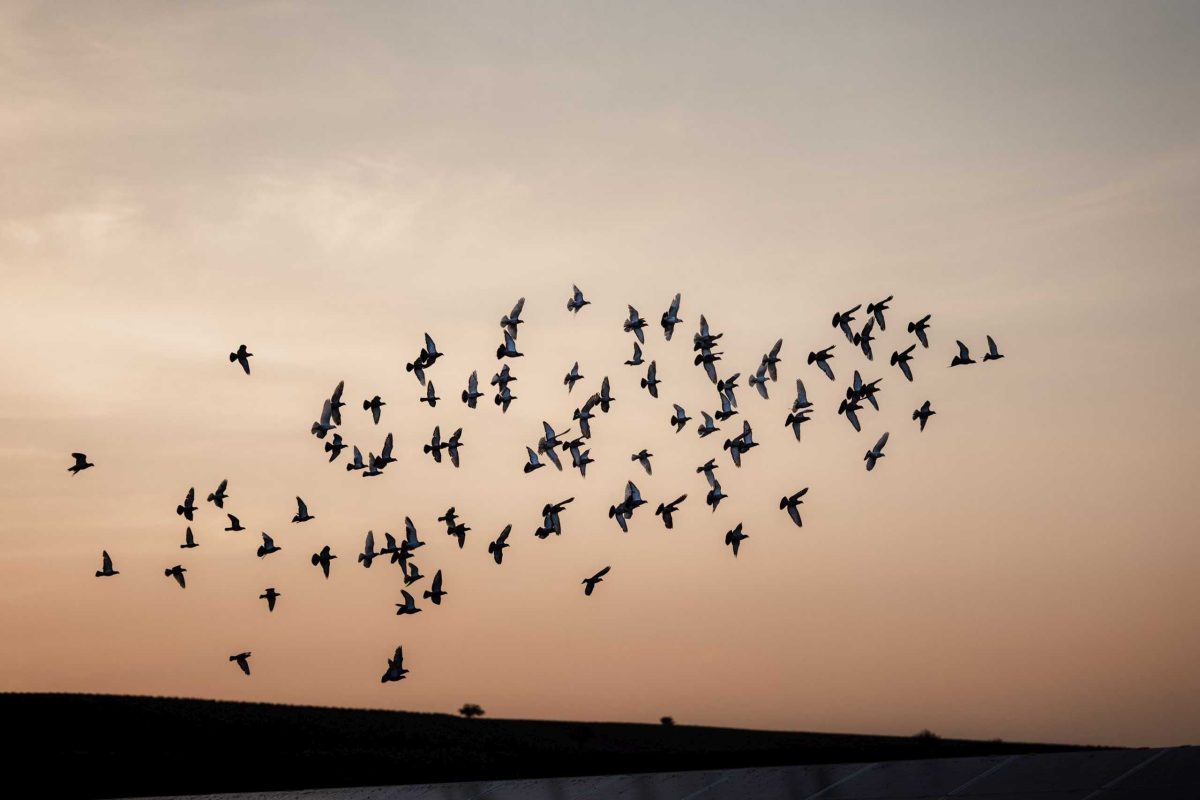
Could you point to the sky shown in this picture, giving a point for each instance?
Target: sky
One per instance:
(327, 182)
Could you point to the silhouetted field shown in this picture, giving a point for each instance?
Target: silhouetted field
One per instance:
(115, 746)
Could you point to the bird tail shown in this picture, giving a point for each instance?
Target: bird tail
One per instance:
(232, 357)
(316, 559)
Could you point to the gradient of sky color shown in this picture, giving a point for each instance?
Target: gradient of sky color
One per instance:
(325, 182)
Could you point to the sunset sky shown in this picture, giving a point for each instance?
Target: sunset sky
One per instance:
(326, 182)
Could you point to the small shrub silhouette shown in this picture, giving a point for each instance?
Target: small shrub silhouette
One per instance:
(471, 710)
(667, 721)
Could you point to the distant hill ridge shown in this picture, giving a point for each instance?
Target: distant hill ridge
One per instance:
(126, 746)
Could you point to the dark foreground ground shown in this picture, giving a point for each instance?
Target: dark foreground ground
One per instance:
(113, 746)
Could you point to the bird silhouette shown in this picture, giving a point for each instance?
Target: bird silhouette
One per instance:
(707, 469)
(430, 395)
(243, 661)
(241, 356)
(512, 319)
(189, 541)
(863, 340)
(901, 359)
(572, 376)
(842, 320)
(435, 593)
(715, 495)
(472, 393)
(670, 318)
(395, 668)
(919, 328)
(707, 427)
(821, 359)
(666, 510)
(106, 566)
(356, 462)
(496, 548)
(792, 504)
(650, 382)
(875, 453)
(302, 514)
(435, 446)
(335, 447)
(176, 572)
(577, 301)
(268, 546)
(188, 508)
(219, 497)
(923, 414)
(323, 559)
(325, 423)
(374, 405)
(270, 595)
(635, 324)
(335, 403)
(409, 606)
(367, 556)
(589, 584)
(877, 310)
(643, 457)
(759, 381)
(679, 418)
(459, 532)
(771, 361)
(606, 397)
(795, 420)
(849, 409)
(636, 360)
(235, 524)
(81, 463)
(992, 354)
(412, 574)
(963, 357)
(533, 462)
(509, 348)
(452, 445)
(735, 537)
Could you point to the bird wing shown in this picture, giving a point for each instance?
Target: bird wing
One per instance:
(191, 496)
(107, 561)
(601, 573)
(794, 513)
(516, 309)
(267, 541)
(503, 537)
(824, 365)
(963, 352)
(992, 346)
(879, 445)
(906, 370)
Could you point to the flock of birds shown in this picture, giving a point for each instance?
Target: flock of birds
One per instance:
(551, 441)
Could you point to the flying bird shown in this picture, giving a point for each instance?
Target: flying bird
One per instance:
(472, 393)
(410, 531)
(302, 514)
(679, 418)
(877, 310)
(189, 505)
(268, 546)
(430, 396)
(636, 324)
(395, 668)
(374, 405)
(452, 445)
(496, 548)
(106, 567)
(759, 381)
(241, 356)
(901, 359)
(849, 409)
(335, 447)
(234, 524)
(715, 495)
(650, 382)
(707, 468)
(325, 424)
(795, 419)
(707, 427)
(435, 593)
(533, 462)
(919, 327)
(992, 354)
(270, 595)
(459, 532)
(923, 414)
(842, 319)
(323, 559)
(577, 300)
(636, 360)
(589, 584)
(409, 606)
(219, 497)
(864, 339)
(356, 462)
(771, 361)
(875, 453)
(176, 572)
(821, 359)
(509, 348)
(670, 318)
(510, 321)
(572, 377)
(335, 403)
(81, 463)
(643, 457)
(189, 541)
(368, 554)
(413, 574)
(963, 357)
(435, 445)
(665, 510)
(792, 503)
(801, 400)
(243, 661)
(504, 398)
(606, 398)
(735, 537)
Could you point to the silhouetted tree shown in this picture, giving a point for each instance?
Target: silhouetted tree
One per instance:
(667, 721)
(470, 710)
(927, 737)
